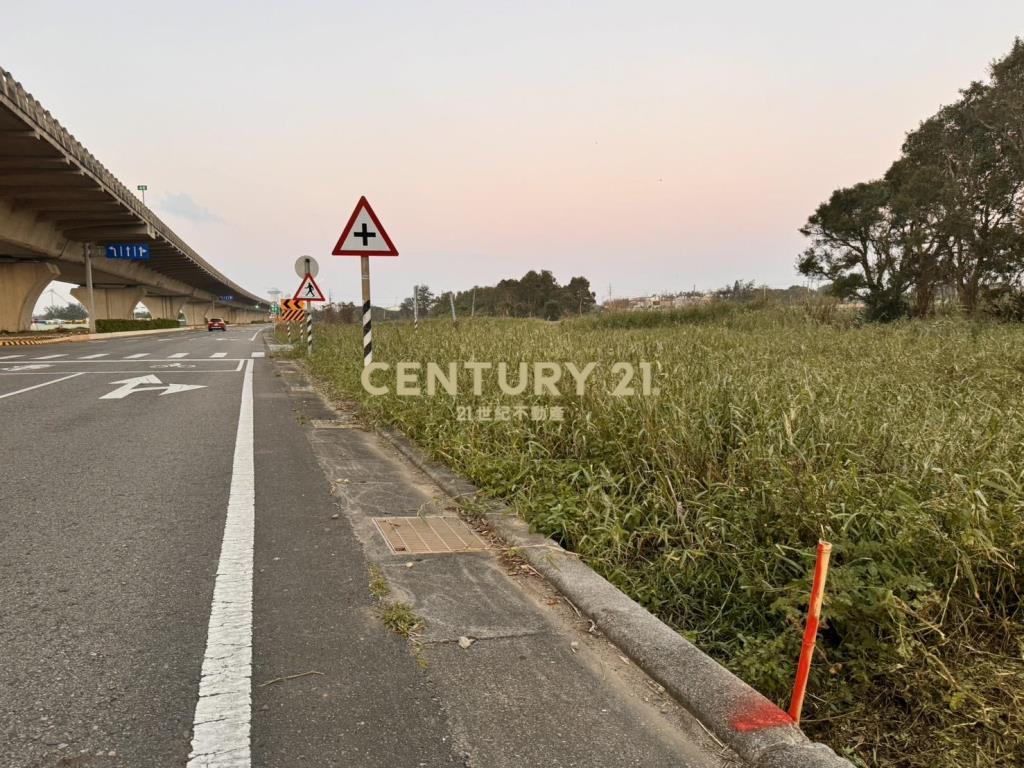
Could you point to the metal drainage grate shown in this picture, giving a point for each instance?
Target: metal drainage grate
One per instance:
(428, 535)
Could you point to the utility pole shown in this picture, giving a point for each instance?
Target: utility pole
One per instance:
(89, 288)
(451, 300)
(472, 309)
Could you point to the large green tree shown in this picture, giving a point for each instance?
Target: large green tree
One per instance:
(858, 246)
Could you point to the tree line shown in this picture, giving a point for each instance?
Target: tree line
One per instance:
(945, 224)
(535, 294)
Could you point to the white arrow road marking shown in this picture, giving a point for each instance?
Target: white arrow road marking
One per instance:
(37, 386)
(27, 367)
(128, 386)
(221, 726)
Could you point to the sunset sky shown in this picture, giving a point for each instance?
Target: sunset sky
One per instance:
(650, 146)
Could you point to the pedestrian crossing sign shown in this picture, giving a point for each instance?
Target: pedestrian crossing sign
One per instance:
(309, 290)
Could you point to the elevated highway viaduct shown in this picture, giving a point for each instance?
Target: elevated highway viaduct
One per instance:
(60, 208)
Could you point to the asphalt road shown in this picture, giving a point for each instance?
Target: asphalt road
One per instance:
(114, 499)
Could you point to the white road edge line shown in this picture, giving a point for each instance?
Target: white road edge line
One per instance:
(256, 334)
(37, 386)
(221, 727)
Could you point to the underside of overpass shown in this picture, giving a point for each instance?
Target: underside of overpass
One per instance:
(60, 208)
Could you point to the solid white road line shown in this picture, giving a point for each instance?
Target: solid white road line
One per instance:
(51, 357)
(94, 357)
(255, 335)
(259, 354)
(37, 386)
(179, 354)
(219, 354)
(9, 357)
(137, 356)
(221, 727)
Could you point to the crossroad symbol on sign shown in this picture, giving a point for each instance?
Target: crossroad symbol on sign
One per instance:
(148, 383)
(364, 235)
(309, 290)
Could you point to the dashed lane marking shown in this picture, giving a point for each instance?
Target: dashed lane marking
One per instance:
(221, 727)
(137, 356)
(94, 357)
(38, 386)
(51, 357)
(219, 354)
(179, 354)
(9, 357)
(259, 354)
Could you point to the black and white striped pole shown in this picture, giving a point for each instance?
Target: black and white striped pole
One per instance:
(309, 330)
(364, 265)
(415, 307)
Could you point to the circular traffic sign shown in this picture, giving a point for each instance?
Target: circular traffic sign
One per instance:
(306, 265)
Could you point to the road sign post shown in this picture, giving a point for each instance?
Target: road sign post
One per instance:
(309, 332)
(364, 268)
(363, 236)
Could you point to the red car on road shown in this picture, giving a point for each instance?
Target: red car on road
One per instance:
(216, 324)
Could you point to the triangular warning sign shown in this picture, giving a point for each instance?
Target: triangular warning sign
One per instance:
(309, 291)
(363, 235)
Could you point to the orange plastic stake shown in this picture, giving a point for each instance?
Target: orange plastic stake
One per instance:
(803, 670)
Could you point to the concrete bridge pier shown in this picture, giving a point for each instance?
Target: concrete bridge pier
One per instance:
(111, 303)
(196, 314)
(164, 307)
(21, 285)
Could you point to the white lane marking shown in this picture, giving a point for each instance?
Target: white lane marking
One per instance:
(51, 357)
(179, 354)
(94, 357)
(137, 356)
(259, 354)
(219, 354)
(220, 729)
(37, 386)
(256, 334)
(25, 367)
(9, 357)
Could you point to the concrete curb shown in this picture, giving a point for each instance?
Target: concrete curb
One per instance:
(752, 726)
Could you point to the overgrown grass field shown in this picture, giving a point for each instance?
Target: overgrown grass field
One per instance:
(902, 445)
